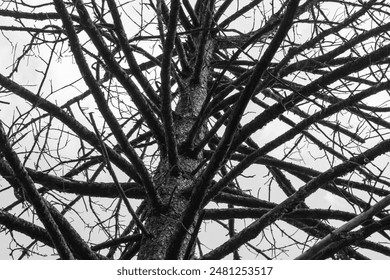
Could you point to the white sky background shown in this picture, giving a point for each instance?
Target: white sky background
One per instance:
(64, 72)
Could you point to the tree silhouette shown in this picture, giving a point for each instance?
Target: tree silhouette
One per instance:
(195, 129)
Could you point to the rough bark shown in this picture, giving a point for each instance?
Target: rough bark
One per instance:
(170, 186)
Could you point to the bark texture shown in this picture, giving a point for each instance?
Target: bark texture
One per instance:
(170, 187)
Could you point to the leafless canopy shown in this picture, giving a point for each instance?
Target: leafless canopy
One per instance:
(203, 129)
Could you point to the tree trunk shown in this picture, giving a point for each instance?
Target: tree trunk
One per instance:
(163, 225)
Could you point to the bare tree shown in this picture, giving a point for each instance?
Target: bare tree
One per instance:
(195, 129)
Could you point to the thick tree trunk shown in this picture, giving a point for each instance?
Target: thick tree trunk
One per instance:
(163, 225)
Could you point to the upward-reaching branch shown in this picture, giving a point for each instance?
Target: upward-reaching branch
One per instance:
(118, 72)
(166, 110)
(245, 96)
(207, 9)
(311, 89)
(127, 50)
(103, 107)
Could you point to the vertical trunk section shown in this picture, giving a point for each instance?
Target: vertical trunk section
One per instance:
(163, 225)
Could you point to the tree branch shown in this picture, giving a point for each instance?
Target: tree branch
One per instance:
(34, 197)
(165, 74)
(103, 106)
